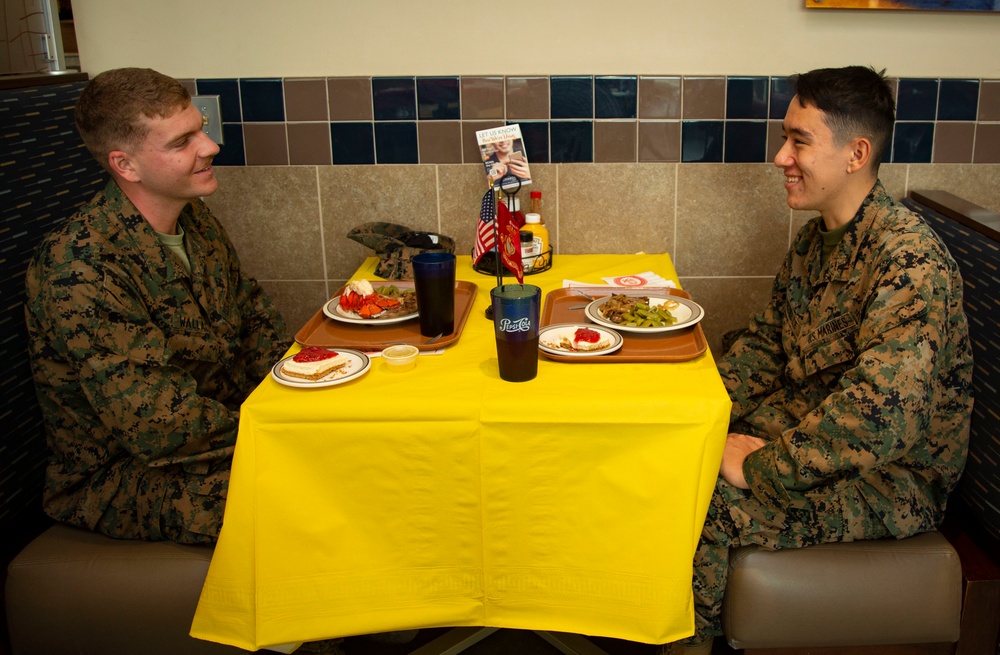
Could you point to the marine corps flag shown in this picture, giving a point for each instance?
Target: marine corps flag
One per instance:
(510, 241)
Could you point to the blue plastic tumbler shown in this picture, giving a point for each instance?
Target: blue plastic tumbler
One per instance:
(515, 322)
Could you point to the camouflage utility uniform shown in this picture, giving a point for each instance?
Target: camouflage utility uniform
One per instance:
(858, 377)
(141, 367)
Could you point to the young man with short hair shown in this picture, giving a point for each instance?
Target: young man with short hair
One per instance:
(852, 389)
(145, 333)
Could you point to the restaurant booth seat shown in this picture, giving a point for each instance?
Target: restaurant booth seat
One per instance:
(74, 591)
(929, 593)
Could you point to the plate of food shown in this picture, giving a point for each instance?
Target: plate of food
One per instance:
(363, 304)
(314, 367)
(644, 314)
(578, 340)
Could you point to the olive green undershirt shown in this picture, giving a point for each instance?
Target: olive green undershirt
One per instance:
(832, 238)
(175, 243)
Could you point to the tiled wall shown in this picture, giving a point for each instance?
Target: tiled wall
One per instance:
(569, 119)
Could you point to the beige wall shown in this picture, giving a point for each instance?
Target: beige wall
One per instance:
(253, 38)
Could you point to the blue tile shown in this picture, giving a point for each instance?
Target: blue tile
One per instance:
(396, 143)
(231, 152)
(394, 98)
(746, 97)
(746, 141)
(616, 97)
(536, 141)
(916, 99)
(572, 141)
(959, 100)
(353, 143)
(438, 98)
(782, 92)
(701, 141)
(571, 97)
(913, 143)
(263, 100)
(229, 97)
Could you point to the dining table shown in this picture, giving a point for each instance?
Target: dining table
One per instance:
(444, 496)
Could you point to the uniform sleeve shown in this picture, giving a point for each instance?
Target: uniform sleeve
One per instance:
(752, 368)
(263, 335)
(151, 409)
(879, 407)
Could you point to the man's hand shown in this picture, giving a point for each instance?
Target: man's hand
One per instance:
(738, 446)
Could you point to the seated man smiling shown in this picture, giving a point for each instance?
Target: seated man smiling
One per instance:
(851, 390)
(145, 333)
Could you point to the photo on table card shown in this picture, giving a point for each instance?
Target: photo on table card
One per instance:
(504, 154)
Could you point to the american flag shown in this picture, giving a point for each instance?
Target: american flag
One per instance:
(484, 233)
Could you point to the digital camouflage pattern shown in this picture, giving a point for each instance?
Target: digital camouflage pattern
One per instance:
(140, 369)
(397, 245)
(858, 375)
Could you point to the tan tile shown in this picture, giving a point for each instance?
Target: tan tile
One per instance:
(987, 144)
(659, 141)
(614, 141)
(305, 99)
(893, 177)
(470, 146)
(265, 144)
(461, 189)
(439, 142)
(482, 97)
(659, 97)
(977, 183)
(527, 97)
(298, 300)
(615, 208)
(352, 195)
(732, 219)
(775, 139)
(270, 213)
(953, 142)
(989, 100)
(350, 98)
(704, 97)
(728, 302)
(309, 143)
(190, 85)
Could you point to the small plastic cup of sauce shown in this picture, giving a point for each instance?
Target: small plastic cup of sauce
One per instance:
(400, 358)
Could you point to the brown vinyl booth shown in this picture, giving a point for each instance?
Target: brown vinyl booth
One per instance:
(932, 593)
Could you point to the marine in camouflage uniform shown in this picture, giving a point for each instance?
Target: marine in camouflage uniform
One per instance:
(858, 377)
(140, 369)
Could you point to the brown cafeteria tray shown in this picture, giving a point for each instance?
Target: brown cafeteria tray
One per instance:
(323, 331)
(673, 346)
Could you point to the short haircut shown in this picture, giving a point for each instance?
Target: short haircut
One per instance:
(856, 102)
(111, 109)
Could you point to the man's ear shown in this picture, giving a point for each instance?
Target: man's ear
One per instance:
(861, 154)
(121, 164)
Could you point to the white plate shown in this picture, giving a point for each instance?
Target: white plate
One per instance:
(358, 364)
(687, 314)
(337, 313)
(555, 333)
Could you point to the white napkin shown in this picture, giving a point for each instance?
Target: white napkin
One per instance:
(647, 279)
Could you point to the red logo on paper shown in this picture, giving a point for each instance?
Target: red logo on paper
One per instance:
(629, 281)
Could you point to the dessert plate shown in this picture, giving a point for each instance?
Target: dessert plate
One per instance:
(687, 313)
(357, 365)
(333, 310)
(550, 336)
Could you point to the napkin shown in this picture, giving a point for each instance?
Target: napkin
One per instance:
(647, 279)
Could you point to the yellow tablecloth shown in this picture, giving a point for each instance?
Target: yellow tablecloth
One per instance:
(445, 496)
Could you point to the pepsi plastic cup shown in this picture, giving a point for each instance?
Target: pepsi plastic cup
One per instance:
(434, 282)
(515, 322)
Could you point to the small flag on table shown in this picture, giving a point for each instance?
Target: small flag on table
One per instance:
(484, 233)
(510, 242)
